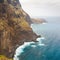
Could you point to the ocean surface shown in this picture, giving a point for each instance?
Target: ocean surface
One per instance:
(47, 47)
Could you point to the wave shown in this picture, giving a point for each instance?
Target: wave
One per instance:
(20, 49)
(40, 41)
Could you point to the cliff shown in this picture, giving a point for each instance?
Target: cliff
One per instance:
(14, 27)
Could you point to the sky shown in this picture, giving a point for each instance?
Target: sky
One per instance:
(41, 7)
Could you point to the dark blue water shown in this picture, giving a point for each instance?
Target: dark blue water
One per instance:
(51, 49)
(51, 32)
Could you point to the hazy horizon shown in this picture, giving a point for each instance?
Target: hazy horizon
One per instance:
(41, 7)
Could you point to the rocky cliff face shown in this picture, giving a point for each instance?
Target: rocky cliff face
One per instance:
(14, 27)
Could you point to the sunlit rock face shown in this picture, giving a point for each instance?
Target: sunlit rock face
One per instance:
(14, 27)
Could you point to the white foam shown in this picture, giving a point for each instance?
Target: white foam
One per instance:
(15, 58)
(31, 25)
(33, 46)
(39, 39)
(28, 43)
(41, 44)
(44, 23)
(19, 50)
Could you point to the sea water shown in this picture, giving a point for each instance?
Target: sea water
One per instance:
(47, 47)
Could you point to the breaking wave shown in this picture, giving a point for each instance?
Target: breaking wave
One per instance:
(26, 47)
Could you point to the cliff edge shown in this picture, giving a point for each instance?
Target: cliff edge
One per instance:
(14, 27)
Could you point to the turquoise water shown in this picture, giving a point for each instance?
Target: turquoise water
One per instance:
(49, 48)
(51, 32)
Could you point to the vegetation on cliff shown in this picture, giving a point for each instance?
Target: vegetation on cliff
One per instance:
(14, 27)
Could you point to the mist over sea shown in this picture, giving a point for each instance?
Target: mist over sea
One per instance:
(47, 47)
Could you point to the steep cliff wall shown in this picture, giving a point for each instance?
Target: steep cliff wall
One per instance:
(14, 27)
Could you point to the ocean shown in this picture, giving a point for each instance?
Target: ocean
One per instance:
(47, 47)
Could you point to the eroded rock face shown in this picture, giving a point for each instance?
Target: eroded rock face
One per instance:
(14, 27)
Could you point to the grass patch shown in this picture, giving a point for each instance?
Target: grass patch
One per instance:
(2, 57)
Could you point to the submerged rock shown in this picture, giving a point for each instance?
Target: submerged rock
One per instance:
(14, 27)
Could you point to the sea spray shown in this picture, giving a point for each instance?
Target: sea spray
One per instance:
(51, 48)
(40, 41)
(28, 46)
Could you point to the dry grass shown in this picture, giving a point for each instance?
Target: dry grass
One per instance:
(2, 57)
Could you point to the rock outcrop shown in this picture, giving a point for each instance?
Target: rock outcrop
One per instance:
(14, 27)
(38, 20)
